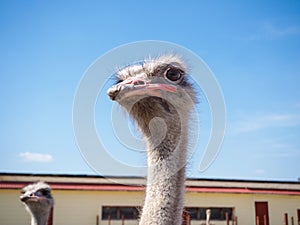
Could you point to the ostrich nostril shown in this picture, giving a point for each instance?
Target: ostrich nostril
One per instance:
(139, 82)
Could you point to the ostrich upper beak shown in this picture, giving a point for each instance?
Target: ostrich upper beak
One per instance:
(25, 198)
(138, 86)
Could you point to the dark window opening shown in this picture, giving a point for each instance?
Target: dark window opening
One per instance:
(119, 212)
(199, 213)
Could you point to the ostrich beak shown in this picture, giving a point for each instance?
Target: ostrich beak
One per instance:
(33, 197)
(138, 86)
(29, 198)
(24, 198)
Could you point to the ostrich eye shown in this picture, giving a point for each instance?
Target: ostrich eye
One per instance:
(173, 74)
(119, 81)
(44, 192)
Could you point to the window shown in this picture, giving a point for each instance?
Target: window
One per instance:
(109, 212)
(196, 213)
(199, 213)
(119, 212)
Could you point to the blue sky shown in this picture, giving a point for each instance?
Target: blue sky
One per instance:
(252, 47)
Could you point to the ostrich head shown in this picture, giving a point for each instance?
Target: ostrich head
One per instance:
(156, 88)
(38, 200)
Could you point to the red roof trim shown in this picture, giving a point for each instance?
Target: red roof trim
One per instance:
(105, 187)
(242, 190)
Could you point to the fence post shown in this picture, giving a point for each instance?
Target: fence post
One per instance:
(123, 219)
(257, 220)
(227, 218)
(108, 219)
(188, 219)
(236, 220)
(286, 219)
(265, 220)
(292, 220)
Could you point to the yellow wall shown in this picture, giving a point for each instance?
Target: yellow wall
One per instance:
(12, 211)
(82, 207)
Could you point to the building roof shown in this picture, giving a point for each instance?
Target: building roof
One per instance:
(100, 183)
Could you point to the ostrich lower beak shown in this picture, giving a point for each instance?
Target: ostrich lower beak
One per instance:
(125, 90)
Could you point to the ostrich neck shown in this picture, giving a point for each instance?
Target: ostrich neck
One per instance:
(166, 176)
(41, 219)
(207, 219)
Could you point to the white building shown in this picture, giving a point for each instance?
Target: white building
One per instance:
(95, 200)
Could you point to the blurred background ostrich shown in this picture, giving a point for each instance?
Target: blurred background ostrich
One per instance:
(38, 202)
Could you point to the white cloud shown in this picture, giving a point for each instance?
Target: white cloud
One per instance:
(253, 123)
(260, 172)
(297, 105)
(268, 30)
(35, 157)
(276, 31)
(284, 149)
